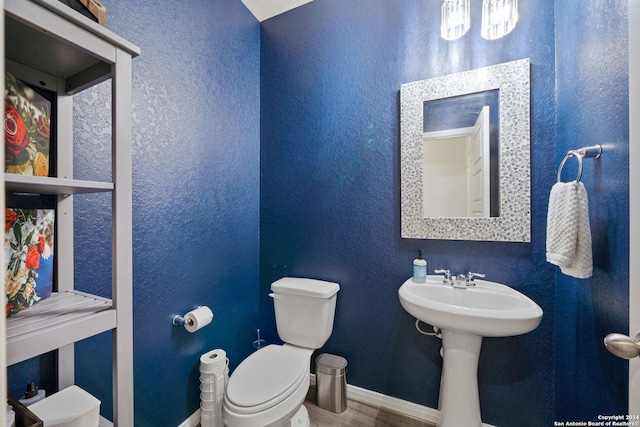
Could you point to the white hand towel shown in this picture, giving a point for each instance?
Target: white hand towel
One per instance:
(568, 230)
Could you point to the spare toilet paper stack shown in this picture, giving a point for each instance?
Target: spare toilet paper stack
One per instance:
(214, 374)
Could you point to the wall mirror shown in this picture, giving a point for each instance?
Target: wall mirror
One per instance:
(465, 155)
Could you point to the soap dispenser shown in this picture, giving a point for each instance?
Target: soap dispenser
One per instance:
(32, 395)
(420, 268)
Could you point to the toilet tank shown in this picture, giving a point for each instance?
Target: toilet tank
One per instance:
(304, 309)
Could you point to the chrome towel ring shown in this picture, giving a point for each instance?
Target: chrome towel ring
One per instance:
(594, 151)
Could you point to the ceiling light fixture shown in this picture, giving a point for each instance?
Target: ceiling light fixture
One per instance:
(499, 18)
(455, 19)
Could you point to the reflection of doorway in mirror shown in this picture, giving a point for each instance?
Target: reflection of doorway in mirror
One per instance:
(456, 171)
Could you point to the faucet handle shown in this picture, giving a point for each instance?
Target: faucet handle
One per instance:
(447, 276)
(471, 276)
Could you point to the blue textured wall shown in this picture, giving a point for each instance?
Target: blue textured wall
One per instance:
(330, 202)
(593, 108)
(317, 193)
(196, 94)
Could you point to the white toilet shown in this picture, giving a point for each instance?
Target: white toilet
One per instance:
(268, 388)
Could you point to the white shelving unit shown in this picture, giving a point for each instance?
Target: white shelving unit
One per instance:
(50, 45)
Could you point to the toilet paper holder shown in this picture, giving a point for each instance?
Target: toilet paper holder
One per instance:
(178, 320)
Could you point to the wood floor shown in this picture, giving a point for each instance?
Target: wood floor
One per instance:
(359, 415)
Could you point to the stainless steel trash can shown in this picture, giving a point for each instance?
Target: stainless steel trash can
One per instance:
(331, 382)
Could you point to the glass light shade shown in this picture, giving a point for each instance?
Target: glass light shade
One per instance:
(499, 18)
(455, 19)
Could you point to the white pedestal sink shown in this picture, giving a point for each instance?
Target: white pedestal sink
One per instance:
(465, 316)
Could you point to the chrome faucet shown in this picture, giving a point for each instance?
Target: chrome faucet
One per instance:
(461, 281)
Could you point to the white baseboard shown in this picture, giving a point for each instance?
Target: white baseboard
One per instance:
(192, 421)
(368, 397)
(382, 401)
(389, 403)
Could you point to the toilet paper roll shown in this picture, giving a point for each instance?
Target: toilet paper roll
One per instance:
(198, 318)
(214, 362)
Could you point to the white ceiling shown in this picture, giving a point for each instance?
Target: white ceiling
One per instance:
(265, 9)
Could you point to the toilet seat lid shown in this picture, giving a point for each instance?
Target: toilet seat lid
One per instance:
(270, 373)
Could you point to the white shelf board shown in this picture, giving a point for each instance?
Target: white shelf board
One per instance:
(82, 21)
(51, 185)
(43, 52)
(59, 320)
(48, 36)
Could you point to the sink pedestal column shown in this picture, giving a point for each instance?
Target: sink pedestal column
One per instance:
(459, 399)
